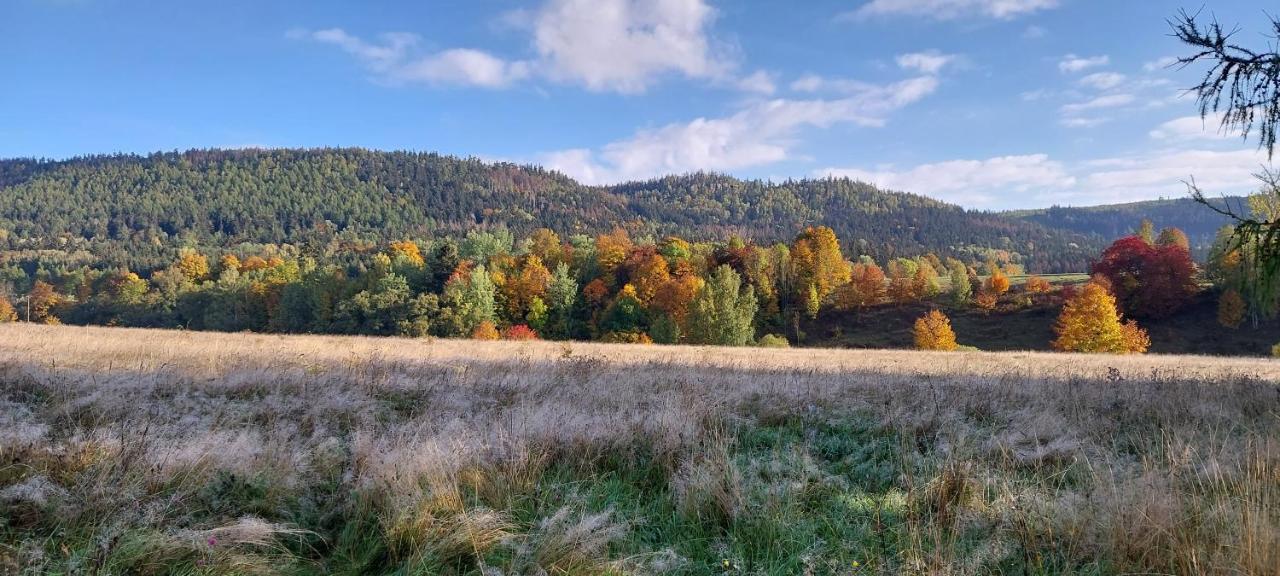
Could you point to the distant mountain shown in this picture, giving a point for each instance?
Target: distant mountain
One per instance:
(1115, 220)
(134, 210)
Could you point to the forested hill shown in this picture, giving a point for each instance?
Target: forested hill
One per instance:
(1114, 220)
(136, 210)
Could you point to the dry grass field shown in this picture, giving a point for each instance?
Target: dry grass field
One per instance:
(159, 452)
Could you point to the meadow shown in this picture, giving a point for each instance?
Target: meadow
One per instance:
(134, 451)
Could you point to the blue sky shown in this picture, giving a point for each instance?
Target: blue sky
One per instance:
(985, 103)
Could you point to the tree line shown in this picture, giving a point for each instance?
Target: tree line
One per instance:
(134, 211)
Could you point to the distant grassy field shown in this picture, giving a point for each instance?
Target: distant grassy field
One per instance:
(159, 452)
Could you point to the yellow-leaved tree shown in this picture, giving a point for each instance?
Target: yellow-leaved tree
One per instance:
(7, 313)
(933, 332)
(1090, 323)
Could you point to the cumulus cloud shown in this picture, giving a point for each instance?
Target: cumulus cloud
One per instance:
(952, 9)
(967, 182)
(759, 134)
(602, 45)
(1072, 63)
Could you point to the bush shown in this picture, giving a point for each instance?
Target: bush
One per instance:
(773, 341)
(485, 331)
(519, 332)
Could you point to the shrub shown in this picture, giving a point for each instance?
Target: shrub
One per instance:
(628, 337)
(519, 332)
(485, 331)
(1037, 285)
(773, 341)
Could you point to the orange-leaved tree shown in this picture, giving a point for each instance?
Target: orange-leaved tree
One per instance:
(1090, 323)
(933, 332)
(866, 287)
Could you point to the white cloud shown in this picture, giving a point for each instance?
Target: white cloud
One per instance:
(391, 60)
(930, 62)
(1191, 128)
(1103, 80)
(1073, 63)
(1163, 172)
(951, 9)
(968, 182)
(762, 133)
(910, 89)
(1038, 180)
(759, 82)
(1160, 64)
(622, 45)
(1108, 101)
(1034, 32)
(1081, 122)
(603, 45)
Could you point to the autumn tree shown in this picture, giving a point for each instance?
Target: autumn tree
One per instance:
(647, 270)
(41, 301)
(408, 252)
(1148, 280)
(1231, 309)
(1037, 285)
(519, 332)
(485, 331)
(546, 245)
(126, 287)
(723, 311)
(1173, 237)
(529, 284)
(193, 265)
(866, 287)
(674, 299)
(1146, 231)
(7, 313)
(902, 284)
(818, 267)
(933, 332)
(1090, 322)
(612, 249)
(997, 283)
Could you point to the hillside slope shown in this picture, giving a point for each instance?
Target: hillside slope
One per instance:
(1114, 220)
(134, 210)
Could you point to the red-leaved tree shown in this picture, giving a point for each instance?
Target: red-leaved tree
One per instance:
(1148, 281)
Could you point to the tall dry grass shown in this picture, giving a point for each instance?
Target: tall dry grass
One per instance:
(139, 451)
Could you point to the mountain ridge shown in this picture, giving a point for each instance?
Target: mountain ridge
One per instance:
(134, 209)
